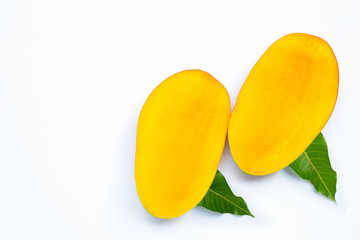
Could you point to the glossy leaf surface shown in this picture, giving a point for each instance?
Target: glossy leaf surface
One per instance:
(220, 198)
(314, 165)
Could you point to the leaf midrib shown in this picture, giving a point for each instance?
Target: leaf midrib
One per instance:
(230, 202)
(307, 157)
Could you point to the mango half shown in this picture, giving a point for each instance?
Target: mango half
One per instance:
(180, 138)
(284, 103)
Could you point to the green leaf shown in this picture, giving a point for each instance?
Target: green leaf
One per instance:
(314, 165)
(220, 198)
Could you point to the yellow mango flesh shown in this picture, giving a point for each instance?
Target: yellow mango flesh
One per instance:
(284, 103)
(180, 139)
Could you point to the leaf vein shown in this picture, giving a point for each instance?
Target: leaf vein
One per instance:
(319, 175)
(229, 201)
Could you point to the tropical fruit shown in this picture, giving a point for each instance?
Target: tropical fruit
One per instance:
(284, 103)
(180, 139)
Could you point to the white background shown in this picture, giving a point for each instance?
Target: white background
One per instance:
(74, 75)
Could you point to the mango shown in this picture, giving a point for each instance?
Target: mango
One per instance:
(284, 103)
(180, 138)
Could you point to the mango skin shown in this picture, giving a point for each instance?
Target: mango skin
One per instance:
(180, 138)
(284, 103)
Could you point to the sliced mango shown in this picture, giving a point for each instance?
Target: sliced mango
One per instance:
(284, 103)
(180, 138)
